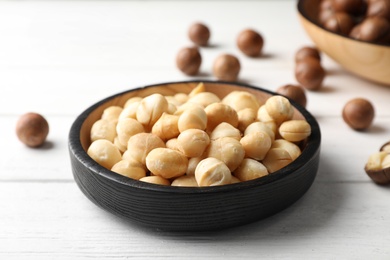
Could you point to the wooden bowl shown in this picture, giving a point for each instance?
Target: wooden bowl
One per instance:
(367, 60)
(190, 208)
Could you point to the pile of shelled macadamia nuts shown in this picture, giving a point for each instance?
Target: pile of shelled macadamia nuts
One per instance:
(198, 139)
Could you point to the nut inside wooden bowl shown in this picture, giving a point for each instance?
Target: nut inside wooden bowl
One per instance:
(190, 208)
(367, 60)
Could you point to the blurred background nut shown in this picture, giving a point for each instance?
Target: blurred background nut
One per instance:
(293, 92)
(358, 113)
(310, 73)
(32, 129)
(212, 172)
(385, 147)
(372, 29)
(378, 167)
(199, 34)
(250, 42)
(305, 52)
(226, 67)
(188, 60)
(340, 22)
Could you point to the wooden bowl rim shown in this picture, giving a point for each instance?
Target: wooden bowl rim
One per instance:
(308, 153)
(304, 15)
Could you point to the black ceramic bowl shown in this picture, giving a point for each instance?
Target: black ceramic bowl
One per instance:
(190, 208)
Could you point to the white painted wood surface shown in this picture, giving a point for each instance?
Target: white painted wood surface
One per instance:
(57, 58)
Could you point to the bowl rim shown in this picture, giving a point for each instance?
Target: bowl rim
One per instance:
(308, 154)
(303, 13)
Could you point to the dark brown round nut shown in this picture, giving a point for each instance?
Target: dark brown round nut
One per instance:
(293, 92)
(354, 7)
(358, 113)
(199, 34)
(372, 29)
(310, 73)
(305, 52)
(250, 42)
(32, 129)
(226, 67)
(340, 22)
(188, 60)
(379, 8)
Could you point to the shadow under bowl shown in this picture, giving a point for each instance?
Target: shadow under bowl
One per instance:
(190, 208)
(367, 60)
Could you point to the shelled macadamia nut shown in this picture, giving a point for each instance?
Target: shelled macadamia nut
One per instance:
(295, 130)
(294, 92)
(192, 163)
(290, 147)
(204, 99)
(250, 169)
(132, 100)
(130, 111)
(193, 142)
(378, 167)
(218, 113)
(156, 180)
(385, 147)
(256, 145)
(166, 126)
(246, 117)
(239, 100)
(212, 172)
(105, 153)
(126, 168)
(103, 129)
(173, 144)
(194, 117)
(32, 129)
(126, 128)
(279, 109)
(166, 163)
(139, 145)
(151, 108)
(185, 181)
(228, 150)
(225, 130)
(112, 113)
(260, 127)
(276, 159)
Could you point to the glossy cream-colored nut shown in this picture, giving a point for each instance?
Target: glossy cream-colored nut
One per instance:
(180, 110)
(181, 98)
(103, 129)
(198, 89)
(250, 169)
(121, 147)
(279, 108)
(212, 172)
(156, 180)
(111, 113)
(225, 130)
(193, 142)
(126, 168)
(126, 128)
(166, 126)
(104, 153)
(295, 130)
(218, 113)
(375, 161)
(193, 118)
(130, 111)
(260, 127)
(185, 181)
(290, 147)
(235, 180)
(228, 150)
(151, 108)
(132, 100)
(173, 144)
(256, 145)
(204, 99)
(166, 162)
(192, 163)
(239, 100)
(276, 159)
(141, 144)
(246, 117)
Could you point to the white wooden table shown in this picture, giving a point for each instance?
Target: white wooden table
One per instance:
(57, 58)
